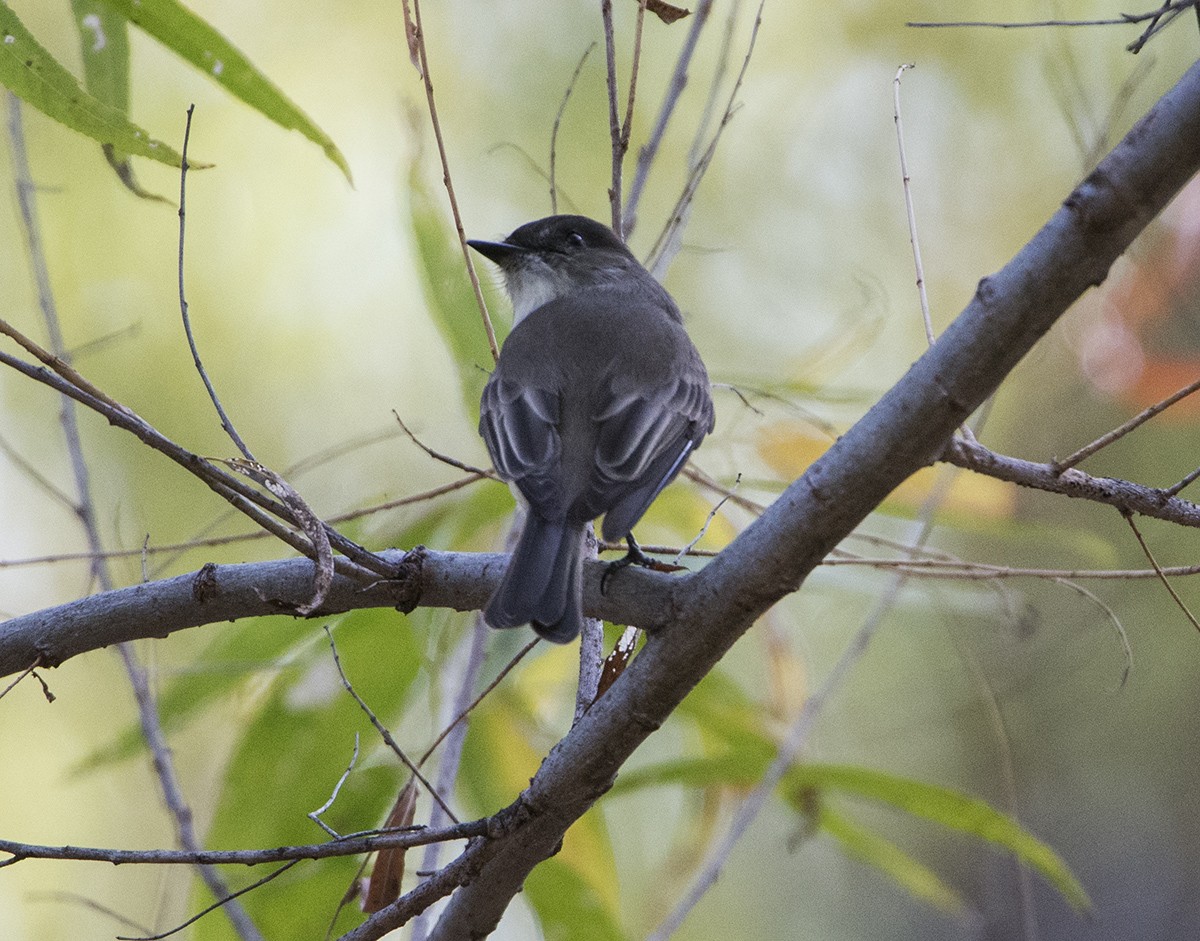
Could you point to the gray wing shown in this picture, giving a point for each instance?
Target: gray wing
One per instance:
(519, 425)
(643, 440)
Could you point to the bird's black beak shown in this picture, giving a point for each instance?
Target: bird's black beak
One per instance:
(499, 252)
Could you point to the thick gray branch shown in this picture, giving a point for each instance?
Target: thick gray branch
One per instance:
(462, 581)
(904, 431)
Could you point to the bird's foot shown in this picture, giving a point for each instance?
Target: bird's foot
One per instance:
(635, 556)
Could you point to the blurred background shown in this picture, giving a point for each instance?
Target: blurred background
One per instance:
(320, 308)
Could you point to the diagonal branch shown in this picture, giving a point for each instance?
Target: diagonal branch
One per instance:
(903, 432)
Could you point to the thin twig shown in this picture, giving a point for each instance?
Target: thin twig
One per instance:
(614, 122)
(224, 901)
(191, 544)
(74, 898)
(419, 39)
(1187, 480)
(660, 255)
(557, 122)
(438, 456)
(1117, 433)
(1118, 627)
(1170, 7)
(148, 717)
(714, 88)
(20, 676)
(517, 658)
(963, 570)
(25, 467)
(354, 844)
(455, 735)
(627, 124)
(183, 304)
(384, 733)
(1158, 571)
(1123, 494)
(65, 379)
(906, 181)
(679, 79)
(687, 550)
(315, 815)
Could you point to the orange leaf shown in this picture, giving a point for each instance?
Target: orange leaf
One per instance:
(383, 887)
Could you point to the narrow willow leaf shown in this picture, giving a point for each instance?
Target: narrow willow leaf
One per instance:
(36, 77)
(863, 844)
(945, 806)
(191, 38)
(104, 48)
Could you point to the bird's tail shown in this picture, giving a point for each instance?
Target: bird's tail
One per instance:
(543, 583)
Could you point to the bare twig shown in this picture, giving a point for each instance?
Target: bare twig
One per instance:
(454, 735)
(438, 456)
(678, 82)
(467, 710)
(20, 676)
(384, 733)
(1117, 433)
(419, 40)
(660, 255)
(557, 122)
(353, 845)
(1158, 19)
(52, 489)
(246, 499)
(798, 736)
(1158, 571)
(183, 304)
(906, 181)
(1122, 494)
(148, 716)
(224, 901)
(315, 815)
(74, 898)
(627, 124)
(614, 122)
(1118, 627)
(1187, 480)
(687, 550)
(191, 544)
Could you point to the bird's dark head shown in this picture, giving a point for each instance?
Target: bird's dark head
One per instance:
(559, 255)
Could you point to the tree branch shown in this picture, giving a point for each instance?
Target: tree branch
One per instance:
(1071, 482)
(217, 593)
(904, 431)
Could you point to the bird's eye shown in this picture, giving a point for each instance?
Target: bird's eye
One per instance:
(575, 240)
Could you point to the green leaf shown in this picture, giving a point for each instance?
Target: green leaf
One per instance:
(885, 855)
(567, 904)
(732, 733)
(191, 38)
(104, 48)
(291, 755)
(448, 290)
(36, 77)
(941, 805)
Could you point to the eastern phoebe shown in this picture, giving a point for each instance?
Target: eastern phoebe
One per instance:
(595, 404)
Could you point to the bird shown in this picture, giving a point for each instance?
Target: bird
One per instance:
(597, 400)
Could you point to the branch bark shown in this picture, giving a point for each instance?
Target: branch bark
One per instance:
(693, 620)
(904, 431)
